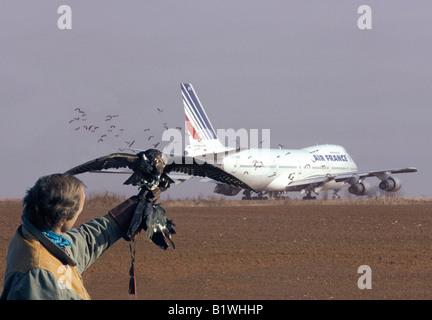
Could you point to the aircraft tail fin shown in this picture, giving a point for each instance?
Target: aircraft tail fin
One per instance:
(201, 134)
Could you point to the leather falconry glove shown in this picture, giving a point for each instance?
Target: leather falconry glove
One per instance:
(129, 214)
(123, 214)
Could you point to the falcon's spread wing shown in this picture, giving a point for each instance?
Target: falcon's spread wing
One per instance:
(114, 160)
(188, 165)
(200, 168)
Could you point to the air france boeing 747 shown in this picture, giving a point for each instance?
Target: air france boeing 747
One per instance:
(274, 172)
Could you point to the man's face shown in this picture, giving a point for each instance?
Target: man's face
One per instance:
(68, 224)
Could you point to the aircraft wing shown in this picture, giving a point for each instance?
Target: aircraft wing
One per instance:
(311, 181)
(319, 181)
(380, 174)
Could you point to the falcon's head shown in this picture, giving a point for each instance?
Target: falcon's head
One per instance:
(155, 159)
(154, 163)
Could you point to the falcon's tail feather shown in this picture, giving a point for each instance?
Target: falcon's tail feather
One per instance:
(133, 180)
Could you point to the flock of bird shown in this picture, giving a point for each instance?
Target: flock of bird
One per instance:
(107, 129)
(81, 118)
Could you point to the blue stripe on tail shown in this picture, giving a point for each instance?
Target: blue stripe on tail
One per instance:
(197, 114)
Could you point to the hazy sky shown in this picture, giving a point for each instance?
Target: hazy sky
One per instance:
(300, 68)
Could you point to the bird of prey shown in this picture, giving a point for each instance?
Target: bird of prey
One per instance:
(151, 167)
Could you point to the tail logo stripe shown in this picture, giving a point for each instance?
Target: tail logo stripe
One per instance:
(194, 120)
(196, 113)
(197, 104)
(189, 110)
(192, 130)
(196, 116)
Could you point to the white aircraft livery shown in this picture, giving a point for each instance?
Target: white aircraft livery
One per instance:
(273, 172)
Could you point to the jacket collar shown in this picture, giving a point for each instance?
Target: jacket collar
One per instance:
(58, 252)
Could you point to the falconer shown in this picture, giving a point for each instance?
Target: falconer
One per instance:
(47, 256)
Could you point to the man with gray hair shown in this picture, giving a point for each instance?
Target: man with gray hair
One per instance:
(47, 256)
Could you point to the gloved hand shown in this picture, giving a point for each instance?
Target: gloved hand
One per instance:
(128, 214)
(123, 214)
(154, 196)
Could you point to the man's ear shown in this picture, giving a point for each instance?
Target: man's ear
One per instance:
(60, 225)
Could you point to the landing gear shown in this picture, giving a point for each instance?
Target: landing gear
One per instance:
(259, 196)
(263, 195)
(308, 195)
(246, 195)
(275, 195)
(336, 194)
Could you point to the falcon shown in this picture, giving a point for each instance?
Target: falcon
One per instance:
(150, 168)
(150, 171)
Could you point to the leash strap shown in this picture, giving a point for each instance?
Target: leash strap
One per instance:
(132, 280)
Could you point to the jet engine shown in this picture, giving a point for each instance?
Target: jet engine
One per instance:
(360, 188)
(226, 189)
(390, 184)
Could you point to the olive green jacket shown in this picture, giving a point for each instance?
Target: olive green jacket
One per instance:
(37, 268)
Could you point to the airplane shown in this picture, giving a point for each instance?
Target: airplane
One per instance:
(274, 172)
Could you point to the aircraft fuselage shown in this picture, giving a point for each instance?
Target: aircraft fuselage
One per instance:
(277, 169)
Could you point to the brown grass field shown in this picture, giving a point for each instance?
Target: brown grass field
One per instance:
(272, 250)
